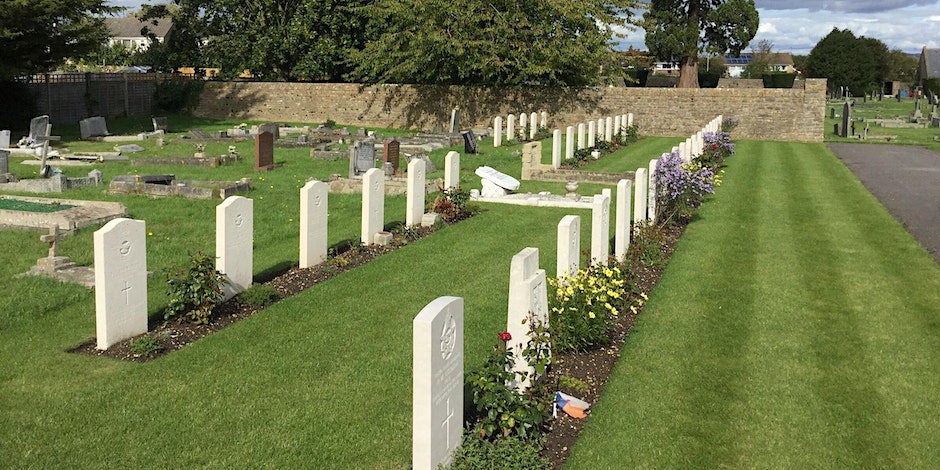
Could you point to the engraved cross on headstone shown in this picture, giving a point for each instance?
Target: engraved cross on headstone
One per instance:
(445, 425)
(126, 290)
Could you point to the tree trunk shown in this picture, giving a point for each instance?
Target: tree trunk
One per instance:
(688, 73)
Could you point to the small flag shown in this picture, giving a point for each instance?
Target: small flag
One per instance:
(572, 406)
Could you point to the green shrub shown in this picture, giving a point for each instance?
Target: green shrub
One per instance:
(585, 306)
(177, 95)
(195, 290)
(145, 346)
(329, 123)
(779, 80)
(629, 135)
(647, 245)
(542, 133)
(509, 454)
(259, 295)
(573, 383)
(452, 205)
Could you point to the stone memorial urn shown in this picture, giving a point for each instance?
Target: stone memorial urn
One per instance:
(572, 188)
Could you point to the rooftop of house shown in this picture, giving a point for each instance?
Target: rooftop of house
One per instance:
(776, 58)
(130, 26)
(932, 59)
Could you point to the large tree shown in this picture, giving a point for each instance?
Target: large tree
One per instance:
(182, 45)
(680, 30)
(499, 42)
(38, 35)
(859, 63)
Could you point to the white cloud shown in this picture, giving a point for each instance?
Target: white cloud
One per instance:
(766, 27)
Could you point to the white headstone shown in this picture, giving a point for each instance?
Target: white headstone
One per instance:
(617, 128)
(623, 122)
(313, 223)
(437, 383)
(569, 246)
(455, 120)
(523, 122)
(580, 135)
(600, 229)
(543, 120)
(651, 203)
(234, 235)
(629, 119)
(528, 304)
(373, 204)
(600, 129)
(608, 129)
(640, 182)
(416, 188)
(510, 127)
(622, 219)
(452, 170)
(497, 131)
(120, 281)
(591, 133)
(4, 139)
(684, 151)
(569, 143)
(533, 118)
(556, 148)
(500, 179)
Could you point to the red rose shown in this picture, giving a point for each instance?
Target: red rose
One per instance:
(714, 146)
(505, 336)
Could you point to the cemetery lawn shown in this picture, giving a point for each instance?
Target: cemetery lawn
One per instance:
(797, 325)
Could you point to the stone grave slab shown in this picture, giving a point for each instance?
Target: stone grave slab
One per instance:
(95, 126)
(569, 246)
(361, 158)
(234, 238)
(392, 153)
(640, 183)
(4, 139)
(600, 229)
(495, 183)
(313, 223)
(373, 205)
(39, 127)
(528, 304)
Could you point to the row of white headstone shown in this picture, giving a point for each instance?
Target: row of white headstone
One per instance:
(695, 144)
(438, 367)
(121, 259)
(528, 124)
(604, 130)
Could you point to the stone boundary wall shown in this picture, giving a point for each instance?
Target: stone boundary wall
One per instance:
(767, 114)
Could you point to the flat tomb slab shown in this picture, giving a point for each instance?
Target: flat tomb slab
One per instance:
(168, 185)
(81, 214)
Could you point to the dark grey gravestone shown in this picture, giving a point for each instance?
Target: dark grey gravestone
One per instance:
(38, 126)
(846, 113)
(159, 123)
(469, 142)
(832, 113)
(361, 158)
(4, 161)
(199, 134)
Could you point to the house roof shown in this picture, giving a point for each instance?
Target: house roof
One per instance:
(776, 58)
(932, 62)
(130, 26)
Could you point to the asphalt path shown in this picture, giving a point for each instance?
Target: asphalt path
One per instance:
(906, 179)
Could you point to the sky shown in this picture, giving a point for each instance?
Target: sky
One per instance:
(796, 25)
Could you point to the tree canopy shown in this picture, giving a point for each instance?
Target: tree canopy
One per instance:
(859, 63)
(680, 30)
(36, 36)
(500, 42)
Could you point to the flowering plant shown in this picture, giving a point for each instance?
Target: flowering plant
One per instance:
(718, 146)
(681, 186)
(584, 307)
(728, 124)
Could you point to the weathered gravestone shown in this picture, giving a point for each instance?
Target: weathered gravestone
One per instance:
(651, 203)
(533, 128)
(416, 188)
(469, 142)
(95, 126)
(274, 129)
(361, 158)
(4, 162)
(373, 205)
(608, 129)
(640, 187)
(600, 229)
(846, 118)
(497, 131)
(4, 139)
(528, 306)
(159, 123)
(437, 383)
(120, 281)
(591, 133)
(510, 127)
(264, 151)
(452, 170)
(580, 135)
(495, 184)
(392, 153)
(455, 120)
(569, 246)
(832, 113)
(622, 219)
(234, 237)
(313, 223)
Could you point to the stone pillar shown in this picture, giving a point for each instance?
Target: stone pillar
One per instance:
(569, 143)
(373, 204)
(120, 281)
(580, 135)
(234, 239)
(591, 133)
(452, 170)
(569, 246)
(622, 219)
(497, 131)
(556, 149)
(415, 198)
(600, 229)
(313, 223)
(640, 183)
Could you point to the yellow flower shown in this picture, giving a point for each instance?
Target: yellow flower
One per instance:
(633, 309)
(644, 296)
(591, 314)
(149, 234)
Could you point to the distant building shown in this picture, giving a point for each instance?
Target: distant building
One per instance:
(126, 31)
(666, 68)
(777, 62)
(929, 67)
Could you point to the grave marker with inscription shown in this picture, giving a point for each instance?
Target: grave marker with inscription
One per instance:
(640, 183)
(556, 149)
(313, 223)
(264, 151)
(452, 170)
(120, 281)
(651, 203)
(469, 142)
(437, 383)
(373, 204)
(392, 153)
(528, 304)
(497, 131)
(234, 237)
(622, 222)
(591, 133)
(533, 128)
(361, 158)
(600, 229)
(569, 246)
(416, 188)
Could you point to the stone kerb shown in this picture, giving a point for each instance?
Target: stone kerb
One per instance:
(234, 238)
(569, 246)
(373, 204)
(313, 223)
(600, 229)
(640, 183)
(437, 382)
(528, 305)
(120, 281)
(622, 222)
(416, 196)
